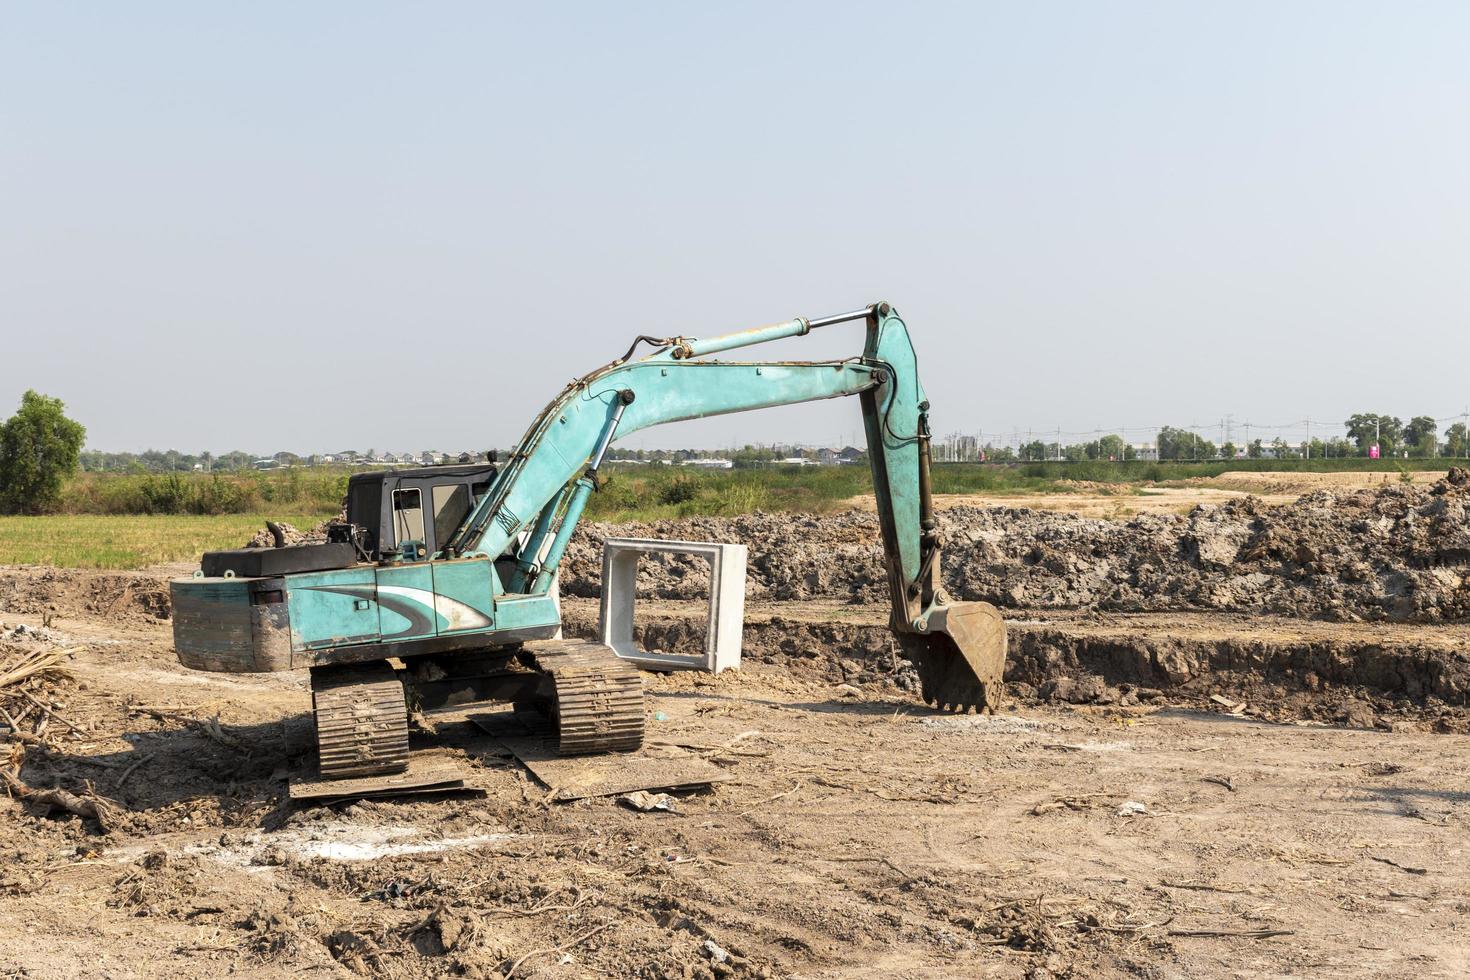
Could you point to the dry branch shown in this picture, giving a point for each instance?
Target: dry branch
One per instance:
(509, 974)
(1232, 933)
(93, 807)
(769, 799)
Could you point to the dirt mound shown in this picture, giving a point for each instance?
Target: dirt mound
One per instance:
(71, 593)
(1399, 553)
(290, 534)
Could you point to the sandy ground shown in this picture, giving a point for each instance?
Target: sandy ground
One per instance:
(860, 834)
(1121, 501)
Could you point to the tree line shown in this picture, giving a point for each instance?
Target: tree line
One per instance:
(1419, 438)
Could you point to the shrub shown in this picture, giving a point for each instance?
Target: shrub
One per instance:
(680, 490)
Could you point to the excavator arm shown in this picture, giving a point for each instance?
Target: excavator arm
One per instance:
(535, 503)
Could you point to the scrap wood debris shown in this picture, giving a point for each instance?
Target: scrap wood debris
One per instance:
(88, 806)
(25, 673)
(24, 664)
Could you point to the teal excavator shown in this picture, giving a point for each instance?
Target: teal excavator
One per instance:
(438, 587)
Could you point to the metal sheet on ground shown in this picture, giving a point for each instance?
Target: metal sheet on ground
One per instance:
(610, 774)
(428, 776)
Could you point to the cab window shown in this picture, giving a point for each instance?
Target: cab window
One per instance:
(451, 504)
(408, 515)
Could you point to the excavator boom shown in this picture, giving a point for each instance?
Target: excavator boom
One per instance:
(959, 648)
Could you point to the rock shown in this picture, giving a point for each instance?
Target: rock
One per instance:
(1090, 689)
(1356, 714)
(1058, 689)
(646, 802)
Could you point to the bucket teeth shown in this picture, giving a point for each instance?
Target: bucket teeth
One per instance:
(961, 664)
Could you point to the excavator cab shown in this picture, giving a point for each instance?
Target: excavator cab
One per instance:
(410, 514)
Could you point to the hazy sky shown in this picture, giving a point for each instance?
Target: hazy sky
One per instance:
(323, 226)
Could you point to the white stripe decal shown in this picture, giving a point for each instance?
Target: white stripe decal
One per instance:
(456, 615)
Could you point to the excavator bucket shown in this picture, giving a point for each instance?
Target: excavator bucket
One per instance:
(961, 659)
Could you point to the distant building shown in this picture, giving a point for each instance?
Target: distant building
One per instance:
(706, 464)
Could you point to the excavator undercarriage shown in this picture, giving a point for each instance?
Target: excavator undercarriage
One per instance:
(440, 588)
(589, 699)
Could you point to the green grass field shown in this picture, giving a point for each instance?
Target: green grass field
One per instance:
(124, 541)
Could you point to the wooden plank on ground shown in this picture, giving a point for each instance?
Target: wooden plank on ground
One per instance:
(423, 776)
(611, 774)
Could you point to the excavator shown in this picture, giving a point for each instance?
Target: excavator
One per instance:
(438, 589)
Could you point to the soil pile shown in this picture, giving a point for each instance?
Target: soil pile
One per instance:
(1398, 553)
(290, 534)
(71, 593)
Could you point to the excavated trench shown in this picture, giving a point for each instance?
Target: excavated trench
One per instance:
(1273, 669)
(1350, 607)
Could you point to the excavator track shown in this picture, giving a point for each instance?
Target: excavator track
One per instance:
(597, 704)
(361, 720)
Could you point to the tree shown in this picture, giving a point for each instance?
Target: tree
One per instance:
(1004, 454)
(1419, 435)
(1365, 428)
(1113, 447)
(1279, 448)
(1229, 450)
(1456, 443)
(1253, 450)
(39, 448)
(1171, 441)
(1183, 444)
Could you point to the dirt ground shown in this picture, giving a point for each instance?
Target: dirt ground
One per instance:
(1104, 503)
(1122, 501)
(1186, 794)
